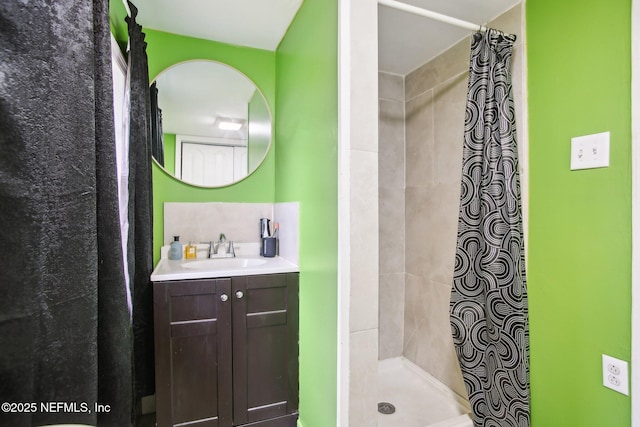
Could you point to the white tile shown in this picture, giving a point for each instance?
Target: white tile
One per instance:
(364, 241)
(203, 222)
(390, 86)
(364, 74)
(363, 378)
(391, 315)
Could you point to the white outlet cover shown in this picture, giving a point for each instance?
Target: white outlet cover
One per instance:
(590, 151)
(618, 382)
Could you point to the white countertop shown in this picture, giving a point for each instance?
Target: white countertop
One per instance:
(180, 269)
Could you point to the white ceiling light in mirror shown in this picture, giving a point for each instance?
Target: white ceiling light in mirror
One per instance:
(230, 124)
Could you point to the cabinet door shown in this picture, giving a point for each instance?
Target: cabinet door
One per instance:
(193, 353)
(265, 347)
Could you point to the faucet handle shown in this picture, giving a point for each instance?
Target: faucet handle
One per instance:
(231, 251)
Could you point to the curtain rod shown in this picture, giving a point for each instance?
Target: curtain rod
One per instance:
(433, 15)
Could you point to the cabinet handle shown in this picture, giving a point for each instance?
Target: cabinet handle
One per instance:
(239, 294)
(224, 297)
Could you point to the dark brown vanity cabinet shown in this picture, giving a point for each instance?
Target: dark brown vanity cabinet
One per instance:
(227, 351)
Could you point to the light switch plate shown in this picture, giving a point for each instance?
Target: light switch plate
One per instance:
(590, 151)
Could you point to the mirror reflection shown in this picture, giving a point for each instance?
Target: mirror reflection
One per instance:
(212, 125)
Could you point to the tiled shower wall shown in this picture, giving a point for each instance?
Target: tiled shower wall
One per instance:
(391, 200)
(419, 210)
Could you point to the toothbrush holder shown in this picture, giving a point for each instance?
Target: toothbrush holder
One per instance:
(269, 247)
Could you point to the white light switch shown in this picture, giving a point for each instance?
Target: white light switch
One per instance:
(590, 151)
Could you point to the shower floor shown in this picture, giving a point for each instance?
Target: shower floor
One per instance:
(420, 400)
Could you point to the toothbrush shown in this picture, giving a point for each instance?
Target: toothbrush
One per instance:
(276, 226)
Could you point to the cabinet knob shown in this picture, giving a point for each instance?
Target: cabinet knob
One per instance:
(239, 294)
(224, 297)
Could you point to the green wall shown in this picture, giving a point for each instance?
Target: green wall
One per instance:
(165, 50)
(117, 14)
(307, 171)
(169, 142)
(579, 249)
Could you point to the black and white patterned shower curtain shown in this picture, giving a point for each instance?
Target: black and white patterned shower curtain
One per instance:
(489, 299)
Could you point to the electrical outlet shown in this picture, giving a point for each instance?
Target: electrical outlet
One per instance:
(615, 374)
(590, 151)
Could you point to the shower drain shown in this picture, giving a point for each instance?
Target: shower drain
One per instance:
(386, 408)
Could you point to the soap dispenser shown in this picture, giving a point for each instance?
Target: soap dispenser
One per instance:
(175, 249)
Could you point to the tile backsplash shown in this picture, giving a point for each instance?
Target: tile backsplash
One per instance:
(240, 222)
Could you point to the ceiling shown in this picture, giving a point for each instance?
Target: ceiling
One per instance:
(255, 23)
(405, 40)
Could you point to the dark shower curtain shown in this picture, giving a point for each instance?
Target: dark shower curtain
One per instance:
(65, 334)
(140, 243)
(489, 299)
(157, 142)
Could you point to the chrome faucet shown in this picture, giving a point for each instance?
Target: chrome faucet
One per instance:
(222, 242)
(227, 250)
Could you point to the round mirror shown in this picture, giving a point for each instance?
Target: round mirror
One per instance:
(211, 125)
